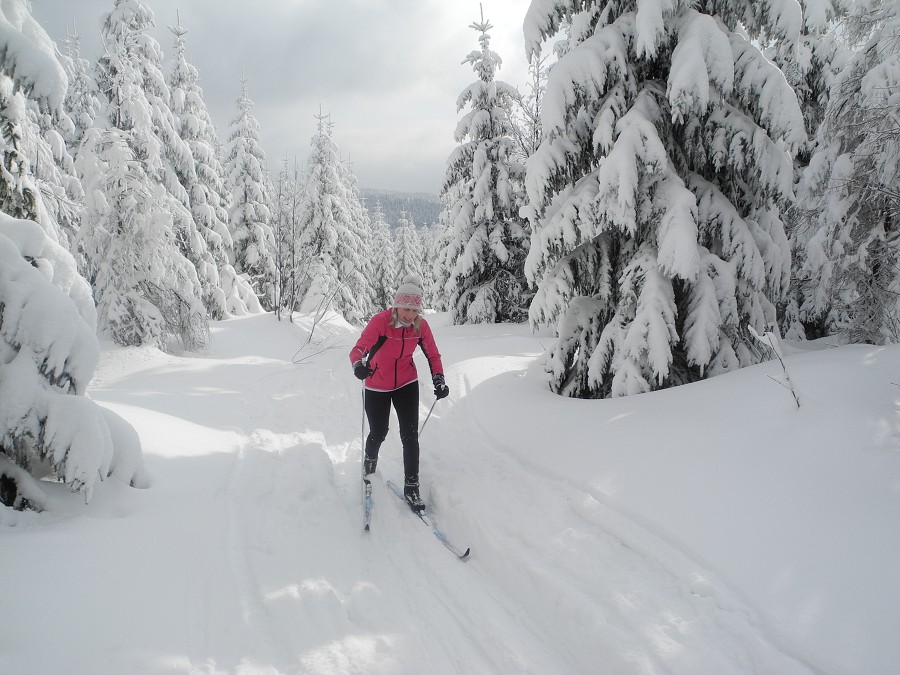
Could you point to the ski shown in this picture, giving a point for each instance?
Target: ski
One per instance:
(367, 503)
(429, 520)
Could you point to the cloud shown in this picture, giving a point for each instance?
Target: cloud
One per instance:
(389, 71)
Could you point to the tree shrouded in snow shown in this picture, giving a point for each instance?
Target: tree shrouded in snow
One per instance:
(82, 100)
(176, 169)
(656, 195)
(251, 231)
(482, 193)
(32, 89)
(811, 68)
(360, 235)
(849, 281)
(48, 344)
(284, 225)
(430, 236)
(329, 243)
(385, 276)
(48, 353)
(202, 180)
(409, 254)
(146, 290)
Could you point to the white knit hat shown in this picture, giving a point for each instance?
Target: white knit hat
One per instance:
(409, 294)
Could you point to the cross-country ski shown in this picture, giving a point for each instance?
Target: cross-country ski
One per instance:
(430, 522)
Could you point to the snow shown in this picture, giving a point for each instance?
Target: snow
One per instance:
(26, 52)
(710, 528)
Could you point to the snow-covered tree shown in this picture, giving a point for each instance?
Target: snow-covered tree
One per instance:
(384, 276)
(409, 253)
(133, 19)
(526, 113)
(656, 196)
(811, 68)
(849, 278)
(27, 67)
(35, 158)
(430, 238)
(285, 222)
(52, 168)
(330, 250)
(442, 236)
(249, 217)
(203, 183)
(483, 190)
(48, 354)
(82, 98)
(146, 290)
(361, 235)
(18, 193)
(48, 344)
(37, 179)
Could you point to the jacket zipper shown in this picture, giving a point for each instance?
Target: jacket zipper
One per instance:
(397, 362)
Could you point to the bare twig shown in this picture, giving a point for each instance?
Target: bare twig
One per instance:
(319, 313)
(771, 338)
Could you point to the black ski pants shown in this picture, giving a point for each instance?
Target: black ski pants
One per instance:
(378, 410)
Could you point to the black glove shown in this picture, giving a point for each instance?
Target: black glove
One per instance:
(441, 390)
(361, 370)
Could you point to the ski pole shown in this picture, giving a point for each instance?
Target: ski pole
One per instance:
(362, 421)
(426, 417)
(362, 436)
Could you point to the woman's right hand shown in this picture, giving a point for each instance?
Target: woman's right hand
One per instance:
(361, 370)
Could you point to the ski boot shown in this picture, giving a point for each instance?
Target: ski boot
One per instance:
(411, 493)
(369, 464)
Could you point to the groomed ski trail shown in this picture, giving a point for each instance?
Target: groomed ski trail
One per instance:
(290, 584)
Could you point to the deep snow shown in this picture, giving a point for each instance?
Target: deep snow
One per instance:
(712, 528)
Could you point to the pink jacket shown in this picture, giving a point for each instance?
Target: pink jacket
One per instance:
(392, 357)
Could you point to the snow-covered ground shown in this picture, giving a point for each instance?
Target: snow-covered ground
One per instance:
(708, 529)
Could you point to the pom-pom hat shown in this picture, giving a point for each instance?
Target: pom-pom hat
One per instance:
(409, 293)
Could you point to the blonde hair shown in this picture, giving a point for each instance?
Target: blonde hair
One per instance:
(417, 322)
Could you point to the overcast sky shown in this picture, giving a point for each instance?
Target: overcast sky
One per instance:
(388, 71)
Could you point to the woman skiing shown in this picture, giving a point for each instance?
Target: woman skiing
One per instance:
(383, 358)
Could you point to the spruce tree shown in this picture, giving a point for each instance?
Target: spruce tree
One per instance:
(249, 216)
(811, 69)
(51, 167)
(82, 98)
(176, 172)
(656, 196)
(361, 235)
(384, 276)
(483, 191)
(330, 270)
(410, 255)
(849, 274)
(284, 228)
(203, 181)
(48, 342)
(430, 238)
(18, 193)
(146, 290)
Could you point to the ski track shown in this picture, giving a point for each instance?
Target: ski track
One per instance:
(634, 573)
(572, 593)
(375, 602)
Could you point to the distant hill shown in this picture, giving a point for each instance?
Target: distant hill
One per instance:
(422, 207)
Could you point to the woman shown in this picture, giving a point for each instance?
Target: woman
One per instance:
(383, 358)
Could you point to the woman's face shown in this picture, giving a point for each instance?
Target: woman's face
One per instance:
(407, 315)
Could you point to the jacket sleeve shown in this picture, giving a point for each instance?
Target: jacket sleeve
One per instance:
(366, 341)
(429, 348)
